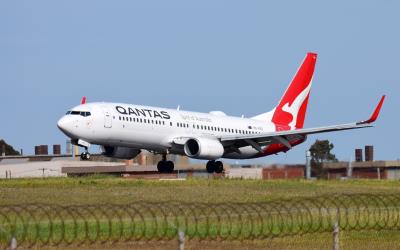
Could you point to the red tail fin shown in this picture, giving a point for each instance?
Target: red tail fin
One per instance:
(291, 111)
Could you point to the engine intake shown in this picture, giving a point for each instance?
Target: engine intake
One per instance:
(120, 152)
(203, 148)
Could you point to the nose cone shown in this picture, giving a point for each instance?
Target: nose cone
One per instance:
(65, 125)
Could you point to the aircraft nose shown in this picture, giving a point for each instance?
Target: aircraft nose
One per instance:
(65, 125)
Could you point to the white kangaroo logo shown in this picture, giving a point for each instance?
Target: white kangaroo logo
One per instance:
(294, 108)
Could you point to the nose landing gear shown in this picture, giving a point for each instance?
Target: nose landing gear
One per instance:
(85, 156)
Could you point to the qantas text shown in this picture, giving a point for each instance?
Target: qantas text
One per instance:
(143, 112)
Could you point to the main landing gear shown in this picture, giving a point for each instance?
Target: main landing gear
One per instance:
(85, 156)
(165, 166)
(214, 166)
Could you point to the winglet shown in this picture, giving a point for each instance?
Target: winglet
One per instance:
(374, 115)
(83, 101)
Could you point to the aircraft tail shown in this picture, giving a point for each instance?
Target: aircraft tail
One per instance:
(291, 110)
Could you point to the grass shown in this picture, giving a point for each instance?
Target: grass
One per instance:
(106, 190)
(111, 190)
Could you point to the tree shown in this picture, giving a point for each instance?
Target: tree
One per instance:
(320, 153)
(9, 150)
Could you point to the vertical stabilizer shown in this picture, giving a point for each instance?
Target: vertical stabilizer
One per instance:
(291, 110)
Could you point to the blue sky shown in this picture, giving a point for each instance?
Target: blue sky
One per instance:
(235, 56)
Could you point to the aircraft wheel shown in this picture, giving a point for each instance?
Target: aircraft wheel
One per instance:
(161, 166)
(210, 167)
(85, 156)
(169, 166)
(219, 167)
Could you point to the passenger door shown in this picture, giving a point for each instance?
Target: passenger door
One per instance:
(107, 119)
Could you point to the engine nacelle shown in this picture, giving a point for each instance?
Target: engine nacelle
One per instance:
(120, 152)
(204, 148)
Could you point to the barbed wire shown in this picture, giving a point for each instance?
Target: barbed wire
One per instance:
(56, 225)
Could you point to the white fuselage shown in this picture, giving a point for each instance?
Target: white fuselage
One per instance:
(124, 129)
(153, 129)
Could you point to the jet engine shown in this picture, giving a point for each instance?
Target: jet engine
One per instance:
(120, 152)
(204, 148)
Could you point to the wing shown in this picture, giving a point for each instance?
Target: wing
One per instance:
(285, 137)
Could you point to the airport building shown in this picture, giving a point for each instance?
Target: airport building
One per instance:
(368, 169)
(268, 172)
(42, 164)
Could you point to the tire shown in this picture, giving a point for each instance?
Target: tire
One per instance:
(219, 167)
(161, 166)
(84, 156)
(210, 167)
(169, 166)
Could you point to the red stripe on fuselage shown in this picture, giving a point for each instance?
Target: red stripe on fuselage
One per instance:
(277, 148)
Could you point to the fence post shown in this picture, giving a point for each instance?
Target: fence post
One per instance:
(336, 236)
(13, 243)
(181, 239)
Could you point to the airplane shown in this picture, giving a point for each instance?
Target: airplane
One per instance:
(123, 130)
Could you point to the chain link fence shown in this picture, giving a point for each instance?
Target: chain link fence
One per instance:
(331, 221)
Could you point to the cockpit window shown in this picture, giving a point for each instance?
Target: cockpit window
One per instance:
(82, 113)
